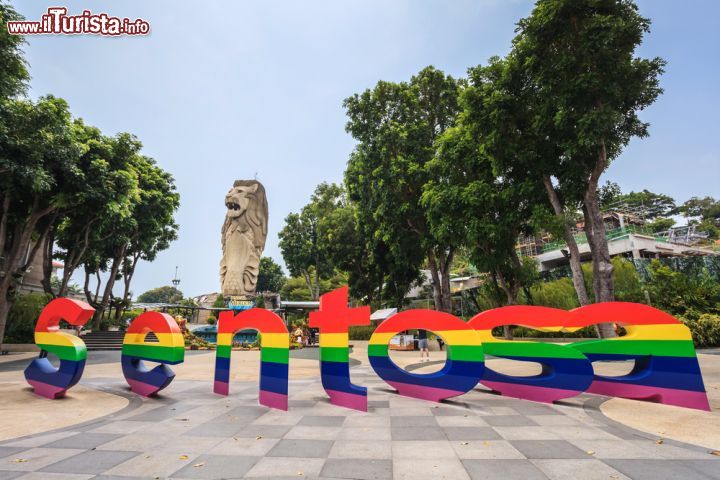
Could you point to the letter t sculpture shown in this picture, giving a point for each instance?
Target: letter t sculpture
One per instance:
(333, 320)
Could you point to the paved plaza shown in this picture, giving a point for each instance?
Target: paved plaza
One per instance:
(192, 433)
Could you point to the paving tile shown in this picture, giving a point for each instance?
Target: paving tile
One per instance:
(301, 448)
(301, 403)
(279, 418)
(36, 458)
(619, 449)
(710, 468)
(511, 421)
(85, 440)
(365, 433)
(526, 433)
(134, 443)
(361, 469)
(428, 469)
(568, 469)
(151, 465)
(412, 421)
(452, 421)
(422, 449)
(322, 421)
(216, 466)
(264, 431)
(368, 421)
(162, 413)
(9, 451)
(313, 433)
(37, 440)
(505, 469)
(580, 432)
(286, 467)
(554, 420)
(5, 475)
(526, 407)
(122, 427)
(486, 449)
(657, 469)
(665, 450)
(93, 461)
(548, 449)
(498, 410)
(253, 411)
(217, 429)
(417, 433)
(450, 412)
(471, 433)
(51, 476)
(410, 411)
(368, 449)
(246, 447)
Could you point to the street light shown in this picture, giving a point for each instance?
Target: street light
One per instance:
(176, 280)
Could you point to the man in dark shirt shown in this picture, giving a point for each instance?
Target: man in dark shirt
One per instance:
(423, 345)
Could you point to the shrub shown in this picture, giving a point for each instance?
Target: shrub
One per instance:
(23, 316)
(363, 332)
(558, 293)
(211, 320)
(705, 328)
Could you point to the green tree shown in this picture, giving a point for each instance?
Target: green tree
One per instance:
(154, 226)
(462, 181)
(302, 238)
(396, 125)
(703, 212)
(108, 190)
(165, 294)
(655, 205)
(660, 224)
(271, 277)
(219, 301)
(13, 74)
(40, 177)
(496, 109)
(577, 57)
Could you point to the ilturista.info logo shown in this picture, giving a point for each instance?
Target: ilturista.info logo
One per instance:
(56, 21)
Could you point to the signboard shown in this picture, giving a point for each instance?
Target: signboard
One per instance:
(240, 302)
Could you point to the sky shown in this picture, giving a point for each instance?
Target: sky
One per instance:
(254, 89)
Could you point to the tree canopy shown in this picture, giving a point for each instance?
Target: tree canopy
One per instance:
(68, 192)
(396, 125)
(271, 277)
(166, 294)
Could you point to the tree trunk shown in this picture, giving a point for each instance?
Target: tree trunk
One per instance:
(445, 292)
(72, 260)
(47, 248)
(603, 284)
(127, 278)
(4, 310)
(17, 258)
(511, 291)
(436, 286)
(97, 317)
(573, 250)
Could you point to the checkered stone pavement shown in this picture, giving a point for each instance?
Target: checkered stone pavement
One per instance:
(191, 433)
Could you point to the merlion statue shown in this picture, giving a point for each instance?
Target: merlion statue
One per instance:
(243, 238)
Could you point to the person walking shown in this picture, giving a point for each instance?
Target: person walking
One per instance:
(440, 342)
(423, 345)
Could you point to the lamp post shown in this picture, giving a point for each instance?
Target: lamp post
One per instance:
(176, 280)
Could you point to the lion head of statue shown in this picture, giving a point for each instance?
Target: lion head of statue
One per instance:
(247, 209)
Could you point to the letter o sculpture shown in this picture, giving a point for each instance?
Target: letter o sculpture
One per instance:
(465, 361)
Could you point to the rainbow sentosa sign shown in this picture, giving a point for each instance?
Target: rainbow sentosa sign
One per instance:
(666, 367)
